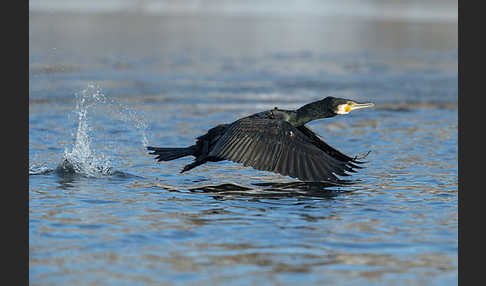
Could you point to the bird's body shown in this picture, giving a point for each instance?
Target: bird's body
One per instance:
(274, 140)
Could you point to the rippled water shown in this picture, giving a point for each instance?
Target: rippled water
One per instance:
(102, 212)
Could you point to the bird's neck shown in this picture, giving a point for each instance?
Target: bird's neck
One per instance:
(309, 112)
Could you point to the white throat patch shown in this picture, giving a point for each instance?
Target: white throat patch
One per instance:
(341, 109)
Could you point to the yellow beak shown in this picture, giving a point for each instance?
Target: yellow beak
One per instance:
(355, 106)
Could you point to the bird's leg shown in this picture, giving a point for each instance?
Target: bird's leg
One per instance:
(201, 159)
(192, 165)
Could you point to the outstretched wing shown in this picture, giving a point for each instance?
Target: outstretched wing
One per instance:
(277, 146)
(329, 149)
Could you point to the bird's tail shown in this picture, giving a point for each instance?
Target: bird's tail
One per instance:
(168, 154)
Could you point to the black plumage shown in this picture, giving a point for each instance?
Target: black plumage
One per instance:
(274, 140)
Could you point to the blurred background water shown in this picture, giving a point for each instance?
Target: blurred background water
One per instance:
(109, 77)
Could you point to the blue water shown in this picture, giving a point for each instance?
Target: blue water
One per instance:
(103, 212)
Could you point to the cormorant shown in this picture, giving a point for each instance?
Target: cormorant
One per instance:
(275, 140)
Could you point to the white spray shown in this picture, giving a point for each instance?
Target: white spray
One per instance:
(81, 159)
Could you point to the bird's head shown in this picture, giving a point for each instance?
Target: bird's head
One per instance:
(327, 107)
(339, 106)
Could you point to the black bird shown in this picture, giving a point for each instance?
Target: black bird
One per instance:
(274, 140)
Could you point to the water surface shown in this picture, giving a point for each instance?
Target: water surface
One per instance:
(102, 212)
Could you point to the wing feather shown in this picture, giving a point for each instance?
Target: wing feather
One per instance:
(254, 151)
(227, 148)
(313, 169)
(242, 145)
(292, 161)
(267, 156)
(299, 166)
(321, 168)
(283, 163)
(277, 146)
(333, 152)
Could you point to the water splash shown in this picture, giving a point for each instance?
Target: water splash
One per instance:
(130, 116)
(38, 169)
(82, 158)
